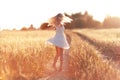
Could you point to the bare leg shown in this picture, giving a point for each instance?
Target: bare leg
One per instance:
(59, 53)
(56, 58)
(61, 59)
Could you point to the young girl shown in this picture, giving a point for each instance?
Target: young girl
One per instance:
(59, 40)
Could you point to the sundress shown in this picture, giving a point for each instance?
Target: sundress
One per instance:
(59, 39)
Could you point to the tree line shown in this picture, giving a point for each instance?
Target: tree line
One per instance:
(84, 20)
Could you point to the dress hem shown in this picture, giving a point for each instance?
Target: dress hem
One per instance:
(57, 45)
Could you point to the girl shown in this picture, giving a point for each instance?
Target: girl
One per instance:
(59, 40)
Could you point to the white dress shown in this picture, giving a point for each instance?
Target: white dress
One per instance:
(59, 39)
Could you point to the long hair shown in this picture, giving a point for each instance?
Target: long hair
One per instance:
(59, 19)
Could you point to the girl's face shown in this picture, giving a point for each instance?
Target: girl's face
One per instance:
(60, 18)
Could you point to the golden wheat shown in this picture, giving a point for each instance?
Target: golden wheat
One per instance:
(25, 54)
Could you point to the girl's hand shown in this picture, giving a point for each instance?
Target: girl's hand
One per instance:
(51, 28)
(46, 26)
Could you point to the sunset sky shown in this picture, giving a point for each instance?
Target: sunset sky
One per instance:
(20, 13)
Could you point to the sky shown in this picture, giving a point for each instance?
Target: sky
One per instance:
(22, 13)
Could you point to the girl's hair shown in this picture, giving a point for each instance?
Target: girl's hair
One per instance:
(59, 19)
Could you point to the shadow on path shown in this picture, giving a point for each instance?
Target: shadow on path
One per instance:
(87, 39)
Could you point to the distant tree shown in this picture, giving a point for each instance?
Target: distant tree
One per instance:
(31, 27)
(14, 29)
(111, 22)
(79, 21)
(83, 21)
(24, 29)
(76, 15)
(6, 30)
(68, 25)
(76, 21)
(44, 26)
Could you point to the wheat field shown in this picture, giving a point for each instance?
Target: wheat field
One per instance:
(24, 55)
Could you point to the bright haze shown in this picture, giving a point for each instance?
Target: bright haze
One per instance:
(22, 13)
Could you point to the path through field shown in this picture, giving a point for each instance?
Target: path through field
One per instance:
(107, 54)
(63, 75)
(56, 75)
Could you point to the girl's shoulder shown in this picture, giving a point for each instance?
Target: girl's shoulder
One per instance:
(60, 25)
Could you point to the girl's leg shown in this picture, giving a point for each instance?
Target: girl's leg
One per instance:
(59, 53)
(56, 57)
(61, 59)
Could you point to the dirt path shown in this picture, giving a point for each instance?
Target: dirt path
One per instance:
(64, 74)
(56, 75)
(107, 54)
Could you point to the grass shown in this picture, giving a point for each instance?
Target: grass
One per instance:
(107, 35)
(106, 40)
(87, 63)
(24, 55)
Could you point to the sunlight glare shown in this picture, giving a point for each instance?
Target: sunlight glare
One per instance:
(16, 14)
